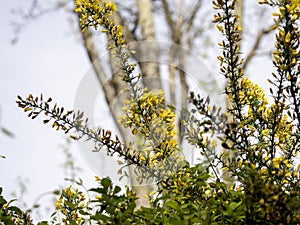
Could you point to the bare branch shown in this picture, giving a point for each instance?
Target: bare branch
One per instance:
(253, 51)
(191, 19)
(33, 13)
(168, 16)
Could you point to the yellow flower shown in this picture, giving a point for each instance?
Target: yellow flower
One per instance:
(240, 164)
(275, 14)
(253, 166)
(286, 162)
(69, 192)
(265, 132)
(288, 174)
(262, 2)
(262, 201)
(58, 203)
(277, 160)
(111, 6)
(275, 197)
(98, 197)
(264, 171)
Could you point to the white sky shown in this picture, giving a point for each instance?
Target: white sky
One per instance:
(47, 59)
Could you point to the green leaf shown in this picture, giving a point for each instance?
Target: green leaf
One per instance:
(56, 192)
(100, 217)
(117, 189)
(177, 221)
(83, 213)
(172, 204)
(7, 132)
(43, 223)
(105, 182)
(2, 200)
(231, 211)
(15, 209)
(73, 222)
(70, 204)
(235, 205)
(97, 190)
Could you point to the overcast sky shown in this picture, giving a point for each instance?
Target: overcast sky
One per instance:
(48, 59)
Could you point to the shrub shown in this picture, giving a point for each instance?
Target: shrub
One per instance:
(259, 137)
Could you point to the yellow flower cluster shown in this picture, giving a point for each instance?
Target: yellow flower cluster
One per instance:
(283, 132)
(288, 10)
(254, 104)
(269, 146)
(69, 204)
(188, 183)
(145, 111)
(153, 124)
(251, 93)
(148, 116)
(98, 13)
(82, 6)
(279, 168)
(272, 148)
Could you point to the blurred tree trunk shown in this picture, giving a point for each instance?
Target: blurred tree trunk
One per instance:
(150, 69)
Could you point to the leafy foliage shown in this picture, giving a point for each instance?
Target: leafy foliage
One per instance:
(263, 136)
(10, 214)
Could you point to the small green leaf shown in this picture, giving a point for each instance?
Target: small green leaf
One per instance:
(117, 189)
(2, 200)
(43, 223)
(105, 182)
(83, 213)
(173, 204)
(100, 217)
(56, 192)
(70, 204)
(15, 209)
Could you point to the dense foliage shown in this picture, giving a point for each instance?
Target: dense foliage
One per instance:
(259, 137)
